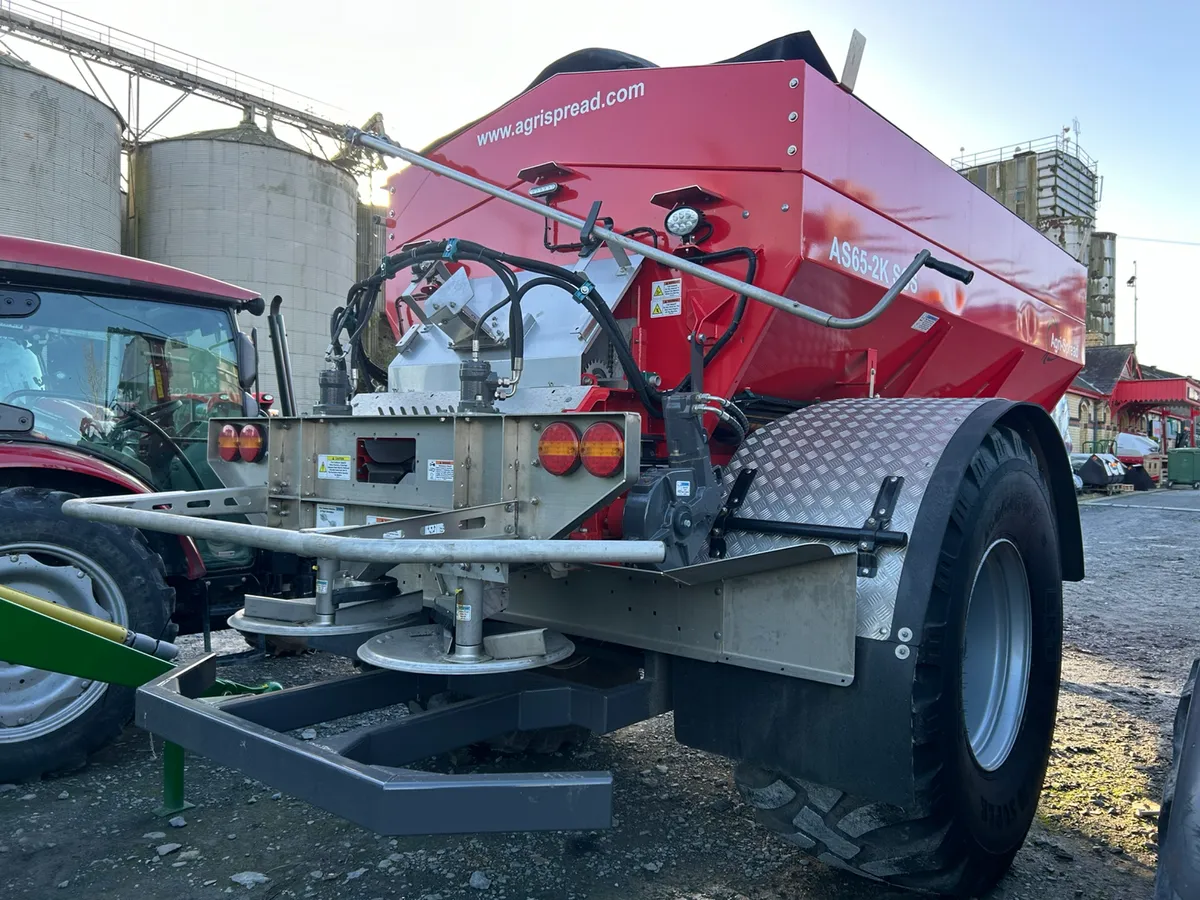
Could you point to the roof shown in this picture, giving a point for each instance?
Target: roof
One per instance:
(41, 259)
(1103, 368)
(243, 133)
(1155, 373)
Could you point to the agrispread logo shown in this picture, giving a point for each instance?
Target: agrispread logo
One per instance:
(552, 117)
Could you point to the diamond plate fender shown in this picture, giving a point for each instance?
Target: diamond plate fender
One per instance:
(824, 465)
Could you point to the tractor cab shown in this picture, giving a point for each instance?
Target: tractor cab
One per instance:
(123, 362)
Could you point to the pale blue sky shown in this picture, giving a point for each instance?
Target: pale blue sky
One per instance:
(950, 74)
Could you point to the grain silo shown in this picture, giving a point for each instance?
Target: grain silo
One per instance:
(59, 161)
(242, 205)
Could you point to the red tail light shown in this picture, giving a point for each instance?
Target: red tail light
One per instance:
(251, 443)
(558, 448)
(227, 443)
(603, 450)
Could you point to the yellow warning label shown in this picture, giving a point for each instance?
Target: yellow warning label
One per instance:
(666, 297)
(333, 468)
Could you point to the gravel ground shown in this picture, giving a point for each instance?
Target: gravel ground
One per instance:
(1132, 629)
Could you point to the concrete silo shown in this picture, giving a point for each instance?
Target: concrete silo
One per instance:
(243, 206)
(60, 154)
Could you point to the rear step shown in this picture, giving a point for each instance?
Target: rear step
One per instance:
(360, 775)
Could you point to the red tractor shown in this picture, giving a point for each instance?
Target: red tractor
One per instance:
(110, 370)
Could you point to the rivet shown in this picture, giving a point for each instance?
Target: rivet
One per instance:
(392, 212)
(793, 83)
(792, 150)
(745, 213)
(392, 236)
(786, 207)
(904, 634)
(716, 635)
(792, 117)
(902, 651)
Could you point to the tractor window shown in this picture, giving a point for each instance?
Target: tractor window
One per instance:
(135, 381)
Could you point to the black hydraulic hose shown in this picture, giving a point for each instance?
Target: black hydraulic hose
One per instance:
(599, 311)
(738, 311)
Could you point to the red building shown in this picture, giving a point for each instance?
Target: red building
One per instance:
(1116, 393)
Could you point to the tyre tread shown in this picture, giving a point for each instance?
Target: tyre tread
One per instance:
(916, 848)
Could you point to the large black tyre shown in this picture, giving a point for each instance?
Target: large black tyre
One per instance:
(50, 555)
(1166, 885)
(960, 836)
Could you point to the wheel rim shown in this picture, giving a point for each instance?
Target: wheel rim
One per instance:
(34, 702)
(996, 655)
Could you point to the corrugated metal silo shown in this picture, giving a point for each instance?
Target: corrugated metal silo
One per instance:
(243, 206)
(60, 157)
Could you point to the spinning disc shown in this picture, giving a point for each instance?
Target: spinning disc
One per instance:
(249, 625)
(422, 649)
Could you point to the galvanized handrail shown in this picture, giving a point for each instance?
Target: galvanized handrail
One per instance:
(387, 147)
(349, 549)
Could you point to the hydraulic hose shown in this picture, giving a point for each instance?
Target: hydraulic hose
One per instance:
(739, 310)
(91, 624)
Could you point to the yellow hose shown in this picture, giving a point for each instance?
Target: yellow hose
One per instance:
(96, 626)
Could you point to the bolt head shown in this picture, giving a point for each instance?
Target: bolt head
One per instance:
(795, 82)
(791, 150)
(905, 634)
(14, 557)
(792, 117)
(716, 635)
(785, 207)
(745, 213)
(902, 651)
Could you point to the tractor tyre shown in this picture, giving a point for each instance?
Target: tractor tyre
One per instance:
(51, 722)
(984, 699)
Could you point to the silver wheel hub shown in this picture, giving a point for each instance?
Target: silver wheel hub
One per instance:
(34, 702)
(997, 649)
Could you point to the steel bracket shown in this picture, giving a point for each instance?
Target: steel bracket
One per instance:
(878, 521)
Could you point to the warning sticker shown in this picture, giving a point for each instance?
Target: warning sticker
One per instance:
(440, 470)
(435, 528)
(665, 297)
(379, 520)
(333, 468)
(462, 612)
(924, 322)
(329, 516)
(683, 489)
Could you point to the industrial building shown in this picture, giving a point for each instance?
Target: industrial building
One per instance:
(61, 152)
(242, 205)
(1055, 186)
(239, 203)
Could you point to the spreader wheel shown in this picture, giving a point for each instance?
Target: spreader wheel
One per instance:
(48, 721)
(984, 698)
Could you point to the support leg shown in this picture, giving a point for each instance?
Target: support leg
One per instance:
(173, 801)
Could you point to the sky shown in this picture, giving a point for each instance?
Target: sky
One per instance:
(952, 75)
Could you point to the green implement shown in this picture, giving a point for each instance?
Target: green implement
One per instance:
(31, 638)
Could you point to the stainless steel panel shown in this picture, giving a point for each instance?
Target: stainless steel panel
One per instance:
(798, 620)
(824, 465)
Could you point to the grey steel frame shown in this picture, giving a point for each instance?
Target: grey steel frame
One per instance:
(361, 776)
(618, 243)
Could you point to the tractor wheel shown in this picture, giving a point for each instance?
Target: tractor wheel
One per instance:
(984, 698)
(50, 722)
